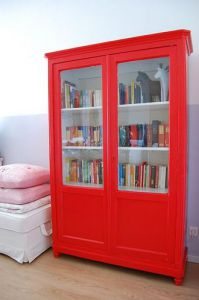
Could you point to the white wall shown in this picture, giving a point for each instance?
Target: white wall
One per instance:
(28, 29)
(24, 139)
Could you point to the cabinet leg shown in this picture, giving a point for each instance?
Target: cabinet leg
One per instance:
(178, 280)
(56, 253)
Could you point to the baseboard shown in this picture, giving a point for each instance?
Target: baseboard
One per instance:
(194, 259)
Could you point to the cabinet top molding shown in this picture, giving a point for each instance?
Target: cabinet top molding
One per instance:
(168, 38)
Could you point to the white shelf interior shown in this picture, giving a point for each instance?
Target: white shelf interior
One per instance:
(81, 148)
(142, 189)
(144, 148)
(82, 109)
(144, 106)
(82, 184)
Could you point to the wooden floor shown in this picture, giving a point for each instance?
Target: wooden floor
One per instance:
(73, 278)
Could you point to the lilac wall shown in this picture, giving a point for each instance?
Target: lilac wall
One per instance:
(193, 181)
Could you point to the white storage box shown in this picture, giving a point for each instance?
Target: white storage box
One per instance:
(25, 236)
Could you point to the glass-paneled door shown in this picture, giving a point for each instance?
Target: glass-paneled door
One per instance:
(82, 129)
(143, 125)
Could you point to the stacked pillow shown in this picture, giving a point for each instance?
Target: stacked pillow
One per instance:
(23, 183)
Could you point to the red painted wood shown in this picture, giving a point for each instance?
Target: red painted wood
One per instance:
(145, 231)
(116, 46)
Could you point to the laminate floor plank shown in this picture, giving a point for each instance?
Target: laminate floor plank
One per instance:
(70, 278)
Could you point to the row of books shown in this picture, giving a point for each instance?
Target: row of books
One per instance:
(144, 135)
(74, 98)
(84, 171)
(131, 94)
(143, 175)
(84, 136)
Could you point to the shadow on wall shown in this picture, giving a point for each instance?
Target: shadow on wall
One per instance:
(24, 139)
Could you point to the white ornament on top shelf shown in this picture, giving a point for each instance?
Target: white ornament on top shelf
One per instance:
(162, 74)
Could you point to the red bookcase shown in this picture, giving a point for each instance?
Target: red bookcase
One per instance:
(118, 140)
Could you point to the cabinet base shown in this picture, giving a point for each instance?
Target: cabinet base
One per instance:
(178, 280)
(56, 253)
(177, 275)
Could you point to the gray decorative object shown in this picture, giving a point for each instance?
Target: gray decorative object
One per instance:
(150, 89)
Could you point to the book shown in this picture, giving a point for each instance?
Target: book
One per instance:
(155, 133)
(143, 175)
(122, 136)
(72, 97)
(166, 136)
(133, 135)
(142, 135)
(137, 176)
(121, 93)
(132, 91)
(73, 170)
(149, 135)
(127, 144)
(83, 136)
(153, 176)
(161, 135)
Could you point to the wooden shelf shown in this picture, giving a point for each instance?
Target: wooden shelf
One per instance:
(81, 148)
(82, 109)
(161, 149)
(143, 189)
(82, 184)
(144, 106)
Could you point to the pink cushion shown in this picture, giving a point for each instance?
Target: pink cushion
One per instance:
(22, 175)
(22, 196)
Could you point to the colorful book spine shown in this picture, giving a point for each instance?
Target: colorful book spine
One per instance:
(135, 92)
(84, 136)
(83, 171)
(161, 135)
(149, 135)
(143, 175)
(133, 135)
(155, 133)
(143, 135)
(166, 137)
(71, 97)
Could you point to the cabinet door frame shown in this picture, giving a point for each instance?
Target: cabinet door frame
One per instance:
(85, 63)
(169, 198)
(58, 189)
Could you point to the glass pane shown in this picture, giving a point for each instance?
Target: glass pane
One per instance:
(82, 132)
(143, 129)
